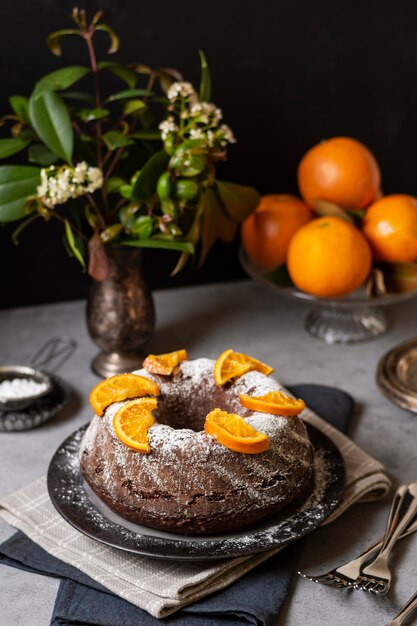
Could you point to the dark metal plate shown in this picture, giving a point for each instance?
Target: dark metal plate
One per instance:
(90, 516)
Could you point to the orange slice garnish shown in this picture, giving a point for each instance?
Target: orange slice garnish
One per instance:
(234, 364)
(164, 364)
(132, 422)
(119, 388)
(234, 433)
(275, 402)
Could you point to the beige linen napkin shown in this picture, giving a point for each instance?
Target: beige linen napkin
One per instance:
(163, 587)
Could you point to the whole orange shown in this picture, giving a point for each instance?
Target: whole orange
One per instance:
(267, 232)
(329, 257)
(390, 225)
(340, 170)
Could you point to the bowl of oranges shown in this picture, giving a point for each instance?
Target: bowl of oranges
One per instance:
(342, 246)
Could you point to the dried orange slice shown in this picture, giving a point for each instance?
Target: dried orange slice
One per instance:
(132, 422)
(164, 364)
(234, 433)
(234, 364)
(275, 402)
(121, 387)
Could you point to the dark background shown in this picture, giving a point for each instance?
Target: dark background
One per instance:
(285, 73)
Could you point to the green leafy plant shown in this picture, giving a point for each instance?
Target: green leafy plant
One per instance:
(134, 168)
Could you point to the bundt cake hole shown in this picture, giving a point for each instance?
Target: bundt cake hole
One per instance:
(190, 411)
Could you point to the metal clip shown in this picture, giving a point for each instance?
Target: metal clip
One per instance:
(58, 349)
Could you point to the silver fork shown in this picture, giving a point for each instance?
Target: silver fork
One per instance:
(408, 608)
(376, 577)
(346, 575)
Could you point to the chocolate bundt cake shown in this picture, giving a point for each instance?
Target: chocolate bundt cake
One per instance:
(189, 483)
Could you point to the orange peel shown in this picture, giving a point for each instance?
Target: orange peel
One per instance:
(275, 402)
(121, 387)
(231, 431)
(164, 364)
(132, 422)
(231, 365)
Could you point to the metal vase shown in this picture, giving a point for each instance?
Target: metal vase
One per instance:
(120, 313)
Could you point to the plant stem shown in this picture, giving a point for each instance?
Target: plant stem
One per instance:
(93, 203)
(118, 207)
(93, 62)
(88, 36)
(119, 152)
(76, 127)
(113, 163)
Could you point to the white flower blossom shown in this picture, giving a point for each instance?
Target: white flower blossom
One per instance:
(60, 184)
(180, 89)
(206, 113)
(225, 135)
(166, 127)
(210, 138)
(197, 133)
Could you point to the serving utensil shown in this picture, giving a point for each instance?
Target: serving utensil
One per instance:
(376, 577)
(346, 575)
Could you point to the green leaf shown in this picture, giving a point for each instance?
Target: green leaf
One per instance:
(145, 185)
(238, 200)
(114, 183)
(50, 119)
(20, 106)
(114, 39)
(185, 163)
(17, 182)
(326, 209)
(147, 135)
(115, 139)
(180, 263)
(12, 146)
(164, 244)
(60, 79)
(77, 95)
(126, 191)
(89, 115)
(135, 107)
(280, 276)
(140, 68)
(129, 93)
(72, 245)
(54, 40)
(160, 100)
(127, 214)
(215, 223)
(110, 233)
(142, 227)
(121, 71)
(205, 83)
(38, 153)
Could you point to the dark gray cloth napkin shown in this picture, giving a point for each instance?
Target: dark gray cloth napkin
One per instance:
(255, 599)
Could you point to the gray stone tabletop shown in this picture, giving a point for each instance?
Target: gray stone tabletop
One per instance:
(206, 320)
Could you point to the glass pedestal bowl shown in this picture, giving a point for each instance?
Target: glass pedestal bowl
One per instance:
(356, 317)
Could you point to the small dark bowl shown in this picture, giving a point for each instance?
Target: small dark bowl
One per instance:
(9, 372)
